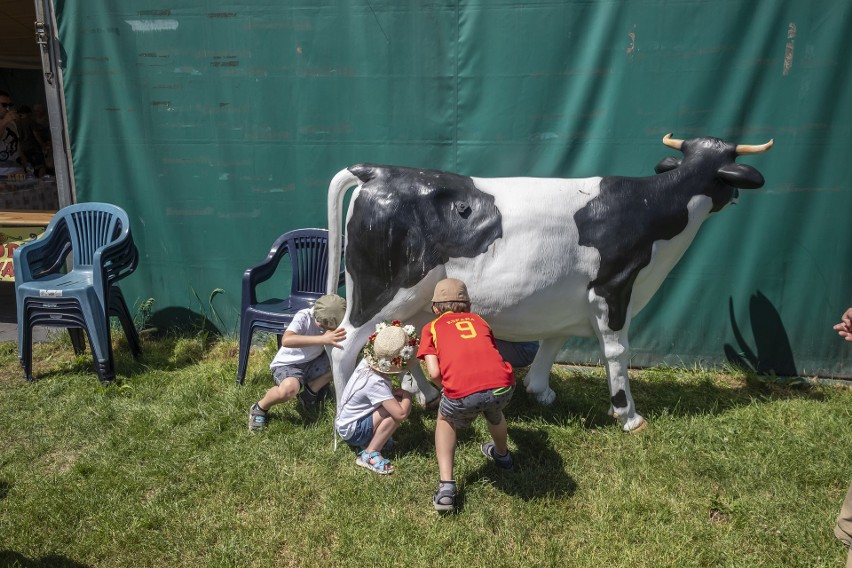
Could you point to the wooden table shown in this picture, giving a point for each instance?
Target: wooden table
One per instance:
(25, 218)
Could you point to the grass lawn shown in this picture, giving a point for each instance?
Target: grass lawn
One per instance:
(159, 469)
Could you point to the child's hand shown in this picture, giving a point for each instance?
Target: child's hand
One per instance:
(334, 337)
(401, 394)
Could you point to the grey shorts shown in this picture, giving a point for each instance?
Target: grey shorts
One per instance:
(303, 372)
(490, 403)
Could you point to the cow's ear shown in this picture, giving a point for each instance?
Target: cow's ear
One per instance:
(741, 175)
(666, 164)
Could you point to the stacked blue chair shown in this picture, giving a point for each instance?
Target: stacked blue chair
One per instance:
(98, 238)
(308, 252)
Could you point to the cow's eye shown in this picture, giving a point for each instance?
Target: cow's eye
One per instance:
(462, 208)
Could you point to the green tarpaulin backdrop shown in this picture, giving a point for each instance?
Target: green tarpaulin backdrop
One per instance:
(218, 125)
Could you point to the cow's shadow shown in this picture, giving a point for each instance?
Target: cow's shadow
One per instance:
(582, 395)
(772, 353)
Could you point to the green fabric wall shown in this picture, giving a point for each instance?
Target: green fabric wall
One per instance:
(218, 125)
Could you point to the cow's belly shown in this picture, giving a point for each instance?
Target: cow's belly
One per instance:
(532, 283)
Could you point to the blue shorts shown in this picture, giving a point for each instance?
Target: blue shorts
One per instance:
(363, 432)
(490, 403)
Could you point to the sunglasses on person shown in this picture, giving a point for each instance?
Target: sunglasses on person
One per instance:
(7, 105)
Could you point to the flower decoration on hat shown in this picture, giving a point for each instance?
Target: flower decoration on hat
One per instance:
(393, 353)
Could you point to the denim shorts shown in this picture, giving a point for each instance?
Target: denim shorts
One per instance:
(490, 403)
(363, 432)
(303, 372)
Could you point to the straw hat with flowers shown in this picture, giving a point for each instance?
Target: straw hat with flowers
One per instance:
(389, 349)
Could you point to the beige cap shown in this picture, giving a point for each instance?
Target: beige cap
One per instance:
(450, 290)
(329, 310)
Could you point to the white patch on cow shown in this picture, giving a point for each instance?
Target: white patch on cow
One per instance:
(665, 254)
(531, 283)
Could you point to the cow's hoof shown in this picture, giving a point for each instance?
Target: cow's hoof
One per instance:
(634, 424)
(545, 397)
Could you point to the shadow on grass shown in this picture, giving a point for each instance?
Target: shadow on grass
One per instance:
(12, 558)
(165, 353)
(539, 470)
(5, 486)
(675, 392)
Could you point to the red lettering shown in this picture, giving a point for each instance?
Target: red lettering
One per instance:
(8, 270)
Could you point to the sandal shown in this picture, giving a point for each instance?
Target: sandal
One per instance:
(375, 462)
(445, 497)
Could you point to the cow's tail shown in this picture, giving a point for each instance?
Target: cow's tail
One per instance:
(340, 183)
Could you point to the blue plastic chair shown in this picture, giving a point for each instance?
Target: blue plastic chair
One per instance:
(98, 238)
(308, 252)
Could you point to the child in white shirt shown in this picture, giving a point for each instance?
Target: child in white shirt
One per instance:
(370, 410)
(301, 367)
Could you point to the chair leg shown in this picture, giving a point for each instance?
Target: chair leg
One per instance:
(97, 327)
(25, 349)
(246, 331)
(118, 307)
(77, 340)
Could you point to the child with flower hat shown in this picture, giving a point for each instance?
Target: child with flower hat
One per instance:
(370, 410)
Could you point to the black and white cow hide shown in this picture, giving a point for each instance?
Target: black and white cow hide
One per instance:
(543, 258)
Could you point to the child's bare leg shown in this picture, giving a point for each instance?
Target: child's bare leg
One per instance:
(383, 428)
(319, 382)
(445, 446)
(500, 435)
(288, 388)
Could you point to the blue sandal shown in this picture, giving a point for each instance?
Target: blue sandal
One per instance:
(375, 462)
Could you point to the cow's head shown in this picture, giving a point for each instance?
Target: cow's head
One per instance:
(715, 161)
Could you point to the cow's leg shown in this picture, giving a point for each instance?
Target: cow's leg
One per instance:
(421, 389)
(537, 379)
(343, 361)
(616, 351)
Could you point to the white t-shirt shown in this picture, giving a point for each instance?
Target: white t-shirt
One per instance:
(303, 323)
(10, 149)
(364, 393)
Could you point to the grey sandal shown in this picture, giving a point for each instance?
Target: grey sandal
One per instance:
(445, 497)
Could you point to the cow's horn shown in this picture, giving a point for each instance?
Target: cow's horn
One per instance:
(672, 142)
(750, 149)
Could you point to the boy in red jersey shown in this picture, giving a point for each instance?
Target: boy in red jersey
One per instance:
(461, 356)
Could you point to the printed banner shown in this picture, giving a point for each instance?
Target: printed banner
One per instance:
(10, 239)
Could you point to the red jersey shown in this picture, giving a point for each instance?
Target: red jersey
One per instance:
(467, 355)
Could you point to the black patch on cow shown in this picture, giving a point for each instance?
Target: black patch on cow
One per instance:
(620, 399)
(629, 214)
(407, 221)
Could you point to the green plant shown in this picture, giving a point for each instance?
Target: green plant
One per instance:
(143, 312)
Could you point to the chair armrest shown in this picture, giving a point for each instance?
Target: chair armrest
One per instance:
(263, 271)
(115, 260)
(45, 255)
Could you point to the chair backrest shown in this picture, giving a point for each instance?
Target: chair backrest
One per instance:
(91, 226)
(308, 250)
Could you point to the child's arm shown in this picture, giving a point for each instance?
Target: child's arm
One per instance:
(400, 407)
(433, 368)
(330, 337)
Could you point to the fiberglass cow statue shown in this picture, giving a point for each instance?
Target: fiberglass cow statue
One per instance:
(543, 258)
